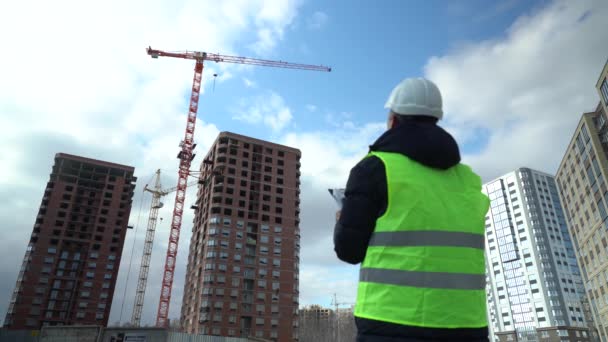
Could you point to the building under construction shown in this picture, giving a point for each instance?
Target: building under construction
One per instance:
(71, 263)
(243, 263)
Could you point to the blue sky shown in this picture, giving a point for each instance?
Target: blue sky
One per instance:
(371, 48)
(515, 76)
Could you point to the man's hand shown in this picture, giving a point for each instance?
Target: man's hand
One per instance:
(338, 215)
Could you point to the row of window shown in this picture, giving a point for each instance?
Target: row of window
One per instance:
(263, 261)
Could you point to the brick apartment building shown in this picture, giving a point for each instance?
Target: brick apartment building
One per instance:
(243, 264)
(70, 266)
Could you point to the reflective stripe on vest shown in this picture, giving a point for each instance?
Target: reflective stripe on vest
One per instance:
(427, 238)
(435, 280)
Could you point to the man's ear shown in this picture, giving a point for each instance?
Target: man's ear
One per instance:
(393, 122)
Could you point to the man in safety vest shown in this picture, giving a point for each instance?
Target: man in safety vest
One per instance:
(413, 216)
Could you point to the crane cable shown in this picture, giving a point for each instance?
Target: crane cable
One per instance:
(141, 205)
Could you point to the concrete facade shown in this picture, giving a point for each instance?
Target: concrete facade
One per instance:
(243, 265)
(582, 181)
(71, 263)
(534, 281)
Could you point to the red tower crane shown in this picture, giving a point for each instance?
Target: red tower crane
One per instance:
(186, 154)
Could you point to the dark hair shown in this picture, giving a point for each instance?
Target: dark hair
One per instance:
(415, 118)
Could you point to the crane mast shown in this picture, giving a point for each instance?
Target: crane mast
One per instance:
(147, 253)
(144, 268)
(186, 154)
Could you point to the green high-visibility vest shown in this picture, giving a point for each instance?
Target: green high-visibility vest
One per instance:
(425, 262)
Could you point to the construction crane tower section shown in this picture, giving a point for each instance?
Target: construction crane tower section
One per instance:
(147, 253)
(186, 154)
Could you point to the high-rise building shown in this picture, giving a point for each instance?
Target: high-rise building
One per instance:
(581, 178)
(602, 87)
(71, 262)
(243, 264)
(316, 312)
(534, 290)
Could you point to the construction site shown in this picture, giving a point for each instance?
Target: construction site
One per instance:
(156, 194)
(243, 265)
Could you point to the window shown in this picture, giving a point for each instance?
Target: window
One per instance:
(276, 274)
(48, 260)
(107, 276)
(278, 229)
(259, 321)
(236, 269)
(264, 239)
(85, 294)
(276, 262)
(105, 285)
(235, 282)
(604, 90)
(262, 284)
(90, 275)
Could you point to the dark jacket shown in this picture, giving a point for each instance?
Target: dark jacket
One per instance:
(366, 200)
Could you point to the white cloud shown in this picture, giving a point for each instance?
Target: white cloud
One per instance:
(271, 20)
(269, 109)
(327, 157)
(317, 20)
(527, 89)
(76, 79)
(249, 83)
(311, 108)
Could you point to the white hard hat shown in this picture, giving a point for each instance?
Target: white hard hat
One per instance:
(415, 96)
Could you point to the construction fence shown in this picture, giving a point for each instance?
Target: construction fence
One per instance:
(100, 334)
